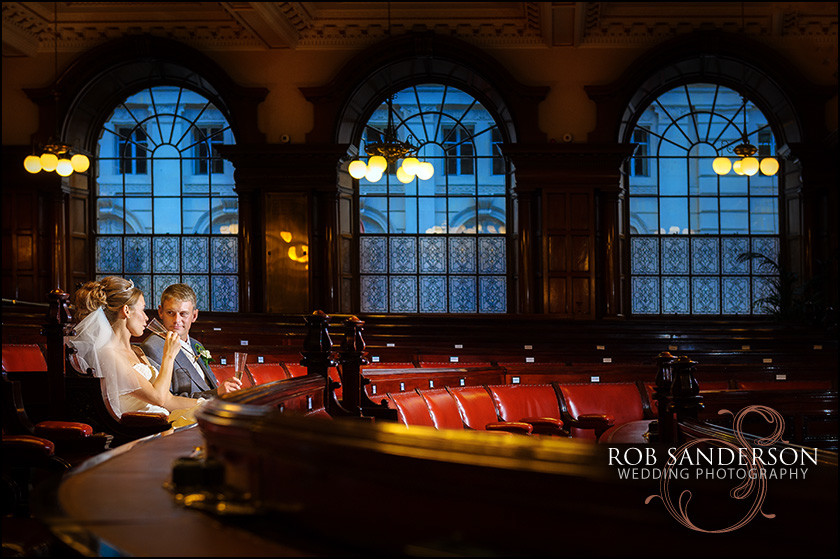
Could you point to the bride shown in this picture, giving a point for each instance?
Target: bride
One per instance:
(112, 310)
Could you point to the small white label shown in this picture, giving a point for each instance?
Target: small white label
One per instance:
(217, 329)
(390, 344)
(431, 383)
(767, 360)
(260, 359)
(514, 380)
(459, 346)
(817, 347)
(243, 342)
(529, 347)
(453, 359)
(745, 347)
(607, 359)
(462, 381)
(309, 402)
(223, 361)
(402, 387)
(373, 389)
(781, 377)
(600, 347)
(529, 359)
(374, 359)
(672, 348)
(594, 379)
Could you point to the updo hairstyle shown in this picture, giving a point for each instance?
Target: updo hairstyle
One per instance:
(110, 293)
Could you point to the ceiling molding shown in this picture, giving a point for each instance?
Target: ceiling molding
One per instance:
(27, 26)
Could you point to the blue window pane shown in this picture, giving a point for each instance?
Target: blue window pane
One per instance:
(734, 215)
(736, 295)
(109, 254)
(374, 293)
(764, 216)
(673, 214)
(644, 255)
(644, 215)
(166, 255)
(645, 295)
(403, 251)
(433, 294)
(138, 255)
(675, 295)
(403, 291)
(492, 294)
(225, 294)
(462, 294)
(705, 295)
(374, 255)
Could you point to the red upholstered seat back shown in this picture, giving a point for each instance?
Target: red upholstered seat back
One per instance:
(475, 406)
(412, 408)
(262, 373)
(517, 401)
(23, 357)
(295, 369)
(620, 400)
(784, 385)
(443, 408)
(225, 372)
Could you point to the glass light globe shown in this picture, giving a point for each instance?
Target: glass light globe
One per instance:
(49, 161)
(373, 175)
(80, 162)
(403, 176)
(425, 170)
(737, 167)
(769, 166)
(32, 163)
(721, 165)
(64, 167)
(377, 162)
(410, 165)
(749, 166)
(357, 169)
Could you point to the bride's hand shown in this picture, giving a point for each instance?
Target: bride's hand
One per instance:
(171, 346)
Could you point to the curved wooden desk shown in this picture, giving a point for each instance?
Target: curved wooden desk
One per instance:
(117, 502)
(632, 432)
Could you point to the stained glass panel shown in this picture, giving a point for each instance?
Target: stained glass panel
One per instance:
(644, 255)
(462, 294)
(705, 295)
(433, 294)
(492, 297)
(403, 293)
(109, 255)
(374, 294)
(736, 295)
(675, 295)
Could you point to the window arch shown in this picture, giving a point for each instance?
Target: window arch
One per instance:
(166, 211)
(688, 227)
(439, 245)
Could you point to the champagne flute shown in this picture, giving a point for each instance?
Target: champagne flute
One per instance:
(155, 327)
(239, 358)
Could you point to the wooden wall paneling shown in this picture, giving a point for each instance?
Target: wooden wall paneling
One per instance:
(287, 252)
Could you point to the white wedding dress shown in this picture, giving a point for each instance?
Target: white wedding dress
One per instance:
(96, 349)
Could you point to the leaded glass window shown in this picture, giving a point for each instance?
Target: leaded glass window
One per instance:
(688, 226)
(439, 245)
(166, 211)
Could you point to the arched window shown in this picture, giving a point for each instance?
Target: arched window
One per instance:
(436, 245)
(166, 211)
(690, 230)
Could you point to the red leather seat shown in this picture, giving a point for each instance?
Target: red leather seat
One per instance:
(262, 373)
(444, 409)
(225, 372)
(475, 405)
(412, 409)
(23, 357)
(529, 403)
(295, 369)
(620, 402)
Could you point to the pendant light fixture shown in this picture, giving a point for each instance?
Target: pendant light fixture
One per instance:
(389, 150)
(56, 155)
(747, 164)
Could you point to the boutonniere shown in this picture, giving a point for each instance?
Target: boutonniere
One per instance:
(202, 353)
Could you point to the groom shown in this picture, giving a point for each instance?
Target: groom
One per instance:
(191, 376)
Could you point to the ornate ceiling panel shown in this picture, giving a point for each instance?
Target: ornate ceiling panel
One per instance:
(28, 26)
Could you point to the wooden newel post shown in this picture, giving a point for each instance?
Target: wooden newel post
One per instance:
(662, 428)
(685, 402)
(317, 354)
(352, 357)
(59, 324)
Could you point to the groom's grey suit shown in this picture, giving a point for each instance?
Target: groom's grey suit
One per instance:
(185, 379)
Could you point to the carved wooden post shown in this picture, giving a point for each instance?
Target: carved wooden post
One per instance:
(59, 324)
(663, 427)
(685, 401)
(352, 358)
